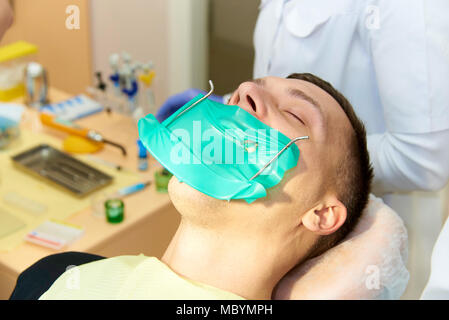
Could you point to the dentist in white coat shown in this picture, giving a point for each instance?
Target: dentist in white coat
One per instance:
(390, 58)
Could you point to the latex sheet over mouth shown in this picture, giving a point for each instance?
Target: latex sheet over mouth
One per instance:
(218, 149)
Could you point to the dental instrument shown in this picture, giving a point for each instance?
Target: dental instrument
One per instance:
(61, 170)
(126, 191)
(142, 156)
(104, 162)
(74, 129)
(276, 156)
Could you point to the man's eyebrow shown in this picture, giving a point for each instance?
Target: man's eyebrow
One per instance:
(259, 81)
(296, 93)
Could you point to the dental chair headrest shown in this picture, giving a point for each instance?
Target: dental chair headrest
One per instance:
(369, 264)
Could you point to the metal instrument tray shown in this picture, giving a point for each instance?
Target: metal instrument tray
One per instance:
(61, 169)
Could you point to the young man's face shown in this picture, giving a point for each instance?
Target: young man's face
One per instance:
(295, 108)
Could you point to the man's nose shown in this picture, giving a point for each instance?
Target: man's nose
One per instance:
(250, 97)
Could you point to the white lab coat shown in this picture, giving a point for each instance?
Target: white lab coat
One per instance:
(390, 58)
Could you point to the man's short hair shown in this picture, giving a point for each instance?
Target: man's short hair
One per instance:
(354, 172)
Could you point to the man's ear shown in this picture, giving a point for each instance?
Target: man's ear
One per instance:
(325, 218)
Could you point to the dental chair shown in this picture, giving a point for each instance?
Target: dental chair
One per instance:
(368, 264)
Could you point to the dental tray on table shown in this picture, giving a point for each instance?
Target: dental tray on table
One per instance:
(61, 169)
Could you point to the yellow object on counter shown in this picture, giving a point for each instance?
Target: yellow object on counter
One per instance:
(77, 144)
(16, 50)
(130, 277)
(12, 93)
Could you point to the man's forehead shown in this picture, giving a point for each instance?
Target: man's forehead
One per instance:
(313, 90)
(329, 105)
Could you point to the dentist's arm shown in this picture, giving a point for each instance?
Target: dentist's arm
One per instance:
(410, 52)
(406, 162)
(173, 103)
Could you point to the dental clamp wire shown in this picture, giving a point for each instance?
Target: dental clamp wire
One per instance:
(276, 156)
(211, 84)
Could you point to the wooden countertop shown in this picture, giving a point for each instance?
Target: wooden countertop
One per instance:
(98, 233)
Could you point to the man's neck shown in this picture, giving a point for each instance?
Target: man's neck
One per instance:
(245, 266)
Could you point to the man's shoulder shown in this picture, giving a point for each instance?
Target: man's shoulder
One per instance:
(100, 279)
(124, 262)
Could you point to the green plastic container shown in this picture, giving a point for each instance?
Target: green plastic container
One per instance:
(162, 178)
(115, 210)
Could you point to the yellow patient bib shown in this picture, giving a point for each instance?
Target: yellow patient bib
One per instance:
(130, 277)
